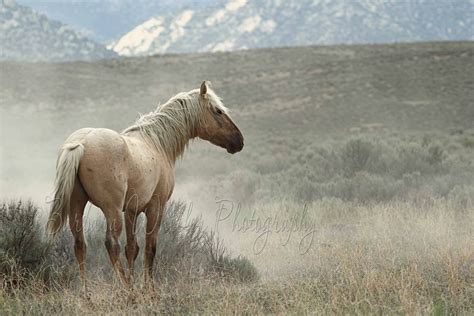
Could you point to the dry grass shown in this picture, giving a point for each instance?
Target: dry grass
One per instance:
(398, 257)
(390, 184)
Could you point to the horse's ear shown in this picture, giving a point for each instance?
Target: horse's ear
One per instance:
(203, 88)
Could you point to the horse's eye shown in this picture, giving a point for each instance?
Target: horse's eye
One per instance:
(218, 111)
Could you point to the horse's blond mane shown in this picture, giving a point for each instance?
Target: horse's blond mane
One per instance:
(172, 124)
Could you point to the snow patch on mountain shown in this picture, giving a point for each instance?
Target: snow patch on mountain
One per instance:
(235, 5)
(250, 24)
(216, 17)
(139, 39)
(230, 8)
(177, 27)
(184, 18)
(224, 46)
(155, 35)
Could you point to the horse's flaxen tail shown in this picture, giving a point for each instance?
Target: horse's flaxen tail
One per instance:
(66, 172)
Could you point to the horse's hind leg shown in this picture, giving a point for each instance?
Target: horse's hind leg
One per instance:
(112, 242)
(78, 201)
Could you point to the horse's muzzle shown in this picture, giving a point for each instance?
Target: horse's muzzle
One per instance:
(236, 144)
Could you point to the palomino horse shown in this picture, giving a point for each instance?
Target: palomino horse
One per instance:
(132, 172)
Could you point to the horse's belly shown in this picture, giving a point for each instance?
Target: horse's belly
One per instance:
(137, 198)
(156, 185)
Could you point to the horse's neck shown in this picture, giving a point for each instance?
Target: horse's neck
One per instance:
(172, 144)
(168, 129)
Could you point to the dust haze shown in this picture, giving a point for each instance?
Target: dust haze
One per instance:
(371, 145)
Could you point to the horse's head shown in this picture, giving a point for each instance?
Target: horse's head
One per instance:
(217, 126)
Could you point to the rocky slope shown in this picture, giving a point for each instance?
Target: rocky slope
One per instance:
(28, 35)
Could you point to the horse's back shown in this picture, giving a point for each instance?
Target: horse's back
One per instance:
(119, 169)
(78, 136)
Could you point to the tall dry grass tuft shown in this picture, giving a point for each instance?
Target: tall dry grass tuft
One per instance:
(396, 257)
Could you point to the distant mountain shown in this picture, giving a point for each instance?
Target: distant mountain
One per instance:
(241, 24)
(28, 35)
(106, 20)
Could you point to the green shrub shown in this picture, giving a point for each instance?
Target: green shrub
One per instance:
(237, 268)
(20, 237)
(468, 141)
(436, 155)
(355, 155)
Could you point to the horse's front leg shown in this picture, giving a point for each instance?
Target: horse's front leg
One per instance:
(154, 215)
